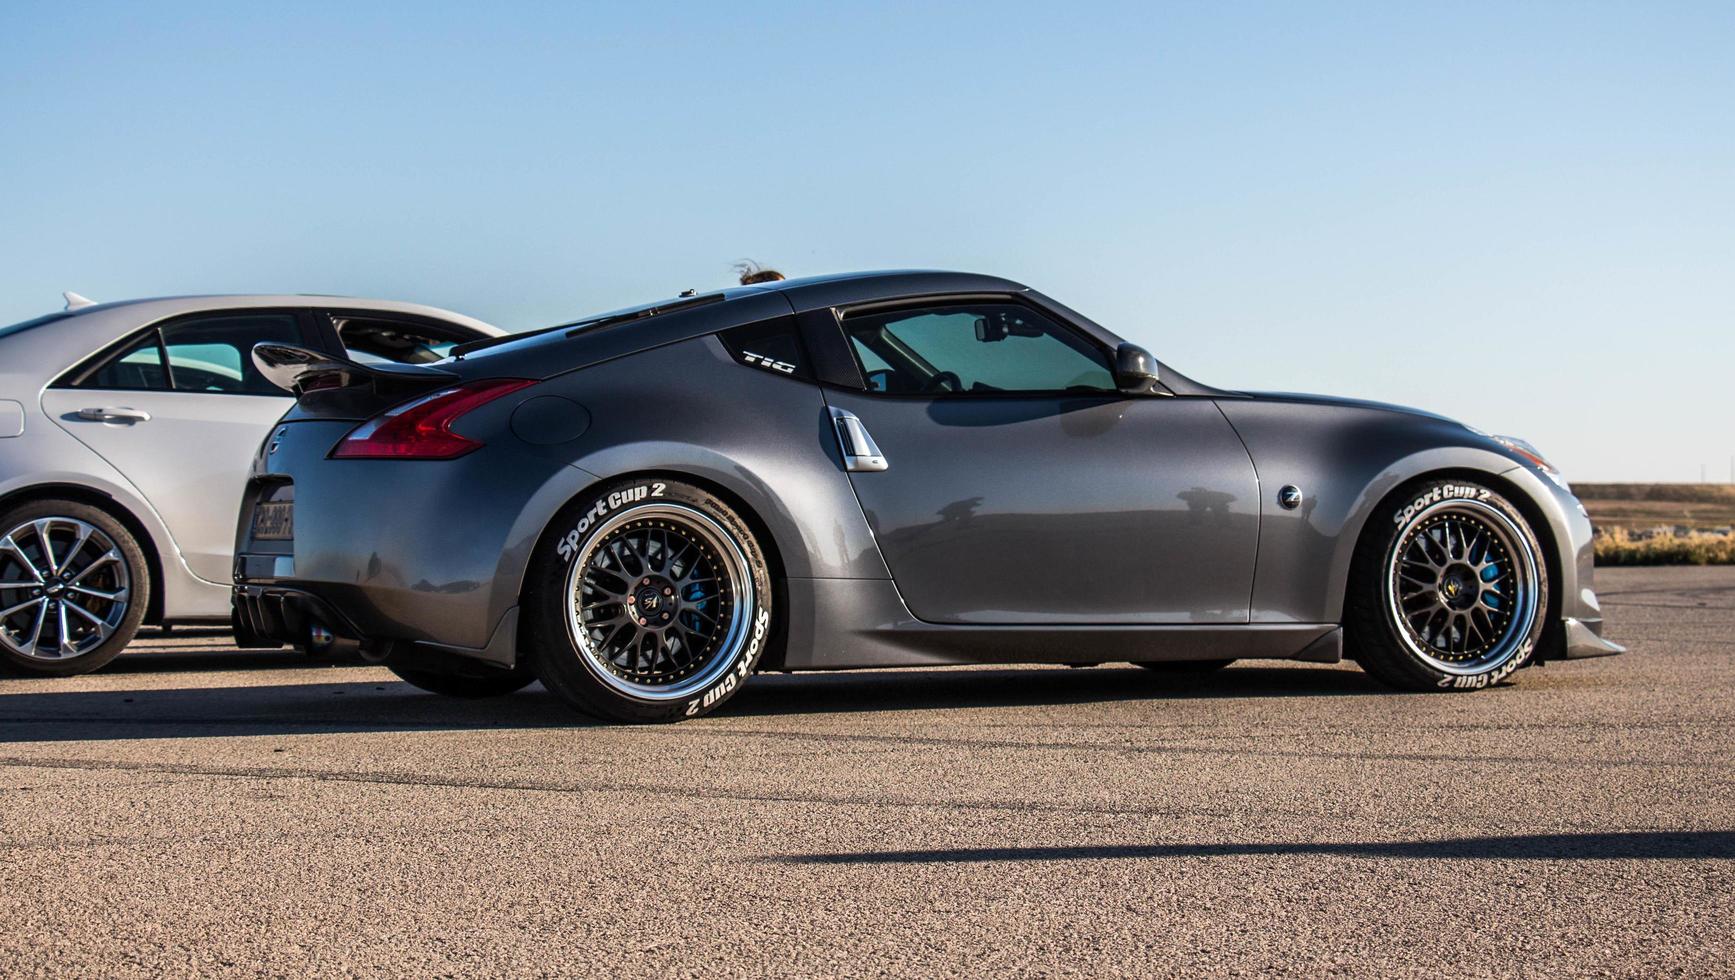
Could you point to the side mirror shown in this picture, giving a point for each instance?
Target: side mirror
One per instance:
(1135, 370)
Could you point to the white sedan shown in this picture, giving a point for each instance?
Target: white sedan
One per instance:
(126, 432)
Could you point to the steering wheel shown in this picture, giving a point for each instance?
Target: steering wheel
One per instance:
(940, 381)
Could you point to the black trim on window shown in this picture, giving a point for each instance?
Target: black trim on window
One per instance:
(833, 364)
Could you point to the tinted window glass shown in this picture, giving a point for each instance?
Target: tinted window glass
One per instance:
(215, 354)
(774, 345)
(138, 367)
(974, 349)
(395, 341)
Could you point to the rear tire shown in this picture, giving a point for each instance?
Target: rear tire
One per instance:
(650, 601)
(492, 684)
(1448, 589)
(74, 586)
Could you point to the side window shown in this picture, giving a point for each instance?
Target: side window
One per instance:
(137, 368)
(974, 349)
(375, 341)
(215, 354)
(771, 345)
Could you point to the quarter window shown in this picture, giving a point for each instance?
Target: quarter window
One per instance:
(974, 349)
(771, 345)
(137, 368)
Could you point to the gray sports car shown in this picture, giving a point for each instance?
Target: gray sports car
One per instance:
(891, 469)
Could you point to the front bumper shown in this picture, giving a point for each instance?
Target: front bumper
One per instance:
(1583, 638)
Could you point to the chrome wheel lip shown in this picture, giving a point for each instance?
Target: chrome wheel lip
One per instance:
(735, 568)
(58, 597)
(1525, 573)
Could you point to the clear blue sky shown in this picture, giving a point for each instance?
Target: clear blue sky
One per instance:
(1521, 215)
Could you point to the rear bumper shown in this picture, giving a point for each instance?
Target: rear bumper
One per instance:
(398, 554)
(272, 616)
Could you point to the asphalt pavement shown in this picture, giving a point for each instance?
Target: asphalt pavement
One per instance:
(199, 810)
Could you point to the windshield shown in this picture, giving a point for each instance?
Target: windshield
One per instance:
(7, 331)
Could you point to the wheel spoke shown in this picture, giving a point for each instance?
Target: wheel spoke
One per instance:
(102, 626)
(117, 596)
(36, 633)
(7, 544)
(26, 604)
(110, 556)
(84, 533)
(43, 542)
(67, 647)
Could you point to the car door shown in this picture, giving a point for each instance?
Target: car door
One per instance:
(180, 409)
(1020, 487)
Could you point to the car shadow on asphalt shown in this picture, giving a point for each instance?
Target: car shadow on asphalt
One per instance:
(362, 702)
(1613, 846)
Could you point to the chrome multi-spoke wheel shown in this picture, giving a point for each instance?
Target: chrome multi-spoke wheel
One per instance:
(654, 600)
(650, 600)
(1452, 594)
(1462, 586)
(65, 588)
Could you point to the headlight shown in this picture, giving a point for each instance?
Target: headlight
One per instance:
(1534, 456)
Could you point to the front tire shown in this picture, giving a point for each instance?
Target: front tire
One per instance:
(650, 601)
(1448, 589)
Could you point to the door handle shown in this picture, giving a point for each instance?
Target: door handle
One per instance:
(860, 454)
(114, 415)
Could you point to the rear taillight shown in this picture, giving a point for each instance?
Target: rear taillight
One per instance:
(421, 428)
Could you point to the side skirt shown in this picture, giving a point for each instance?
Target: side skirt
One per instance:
(850, 623)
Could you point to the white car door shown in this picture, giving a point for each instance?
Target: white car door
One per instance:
(180, 410)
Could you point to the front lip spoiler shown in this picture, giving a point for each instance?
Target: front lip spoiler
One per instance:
(1583, 641)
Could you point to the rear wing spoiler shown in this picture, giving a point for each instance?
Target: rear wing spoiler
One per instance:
(300, 371)
(328, 386)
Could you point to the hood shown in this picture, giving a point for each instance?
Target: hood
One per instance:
(1298, 398)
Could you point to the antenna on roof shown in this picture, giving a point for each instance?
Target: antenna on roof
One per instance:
(77, 302)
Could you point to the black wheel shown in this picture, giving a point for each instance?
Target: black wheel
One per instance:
(1184, 666)
(483, 682)
(649, 601)
(73, 587)
(1448, 590)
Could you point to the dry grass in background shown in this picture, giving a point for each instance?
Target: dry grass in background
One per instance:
(1661, 523)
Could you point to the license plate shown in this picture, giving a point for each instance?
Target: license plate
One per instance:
(274, 520)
